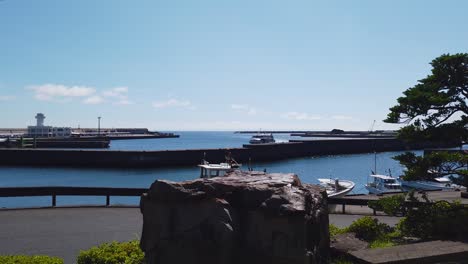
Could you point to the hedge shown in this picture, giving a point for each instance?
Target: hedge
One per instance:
(30, 260)
(113, 253)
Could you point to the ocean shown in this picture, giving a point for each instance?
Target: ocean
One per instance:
(355, 167)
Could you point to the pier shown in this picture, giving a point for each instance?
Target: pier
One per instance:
(192, 157)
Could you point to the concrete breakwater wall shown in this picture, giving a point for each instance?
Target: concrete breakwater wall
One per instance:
(265, 152)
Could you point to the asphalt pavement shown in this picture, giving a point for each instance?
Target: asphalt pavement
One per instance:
(63, 232)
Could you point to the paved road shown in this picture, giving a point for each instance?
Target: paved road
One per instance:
(63, 232)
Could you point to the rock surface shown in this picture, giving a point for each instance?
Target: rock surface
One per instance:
(243, 217)
(347, 242)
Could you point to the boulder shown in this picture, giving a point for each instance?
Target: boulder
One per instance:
(243, 217)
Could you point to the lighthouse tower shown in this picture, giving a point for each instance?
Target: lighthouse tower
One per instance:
(40, 119)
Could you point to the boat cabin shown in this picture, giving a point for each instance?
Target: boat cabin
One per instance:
(208, 170)
(384, 182)
(262, 139)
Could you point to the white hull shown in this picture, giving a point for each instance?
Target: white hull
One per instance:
(426, 185)
(374, 190)
(381, 184)
(345, 187)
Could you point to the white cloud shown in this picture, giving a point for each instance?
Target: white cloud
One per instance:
(239, 107)
(59, 92)
(49, 92)
(120, 92)
(341, 117)
(123, 102)
(300, 116)
(7, 97)
(173, 103)
(95, 99)
(244, 108)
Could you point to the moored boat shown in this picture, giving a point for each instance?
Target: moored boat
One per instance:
(262, 139)
(440, 183)
(337, 188)
(383, 184)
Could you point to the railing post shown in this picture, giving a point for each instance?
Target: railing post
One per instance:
(343, 207)
(54, 200)
(107, 200)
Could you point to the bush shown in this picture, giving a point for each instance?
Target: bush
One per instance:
(113, 253)
(369, 229)
(334, 230)
(391, 205)
(30, 260)
(439, 220)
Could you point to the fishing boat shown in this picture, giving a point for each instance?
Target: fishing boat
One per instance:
(440, 183)
(263, 138)
(381, 184)
(337, 188)
(210, 170)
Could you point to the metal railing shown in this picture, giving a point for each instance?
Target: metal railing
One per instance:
(55, 191)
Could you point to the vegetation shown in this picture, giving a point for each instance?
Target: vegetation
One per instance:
(425, 219)
(390, 205)
(435, 109)
(341, 260)
(435, 220)
(334, 230)
(30, 260)
(370, 230)
(113, 253)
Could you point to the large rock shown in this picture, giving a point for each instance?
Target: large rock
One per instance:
(244, 217)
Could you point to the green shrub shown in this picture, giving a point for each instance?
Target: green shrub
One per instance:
(334, 230)
(382, 243)
(30, 260)
(439, 220)
(341, 260)
(391, 205)
(369, 229)
(113, 253)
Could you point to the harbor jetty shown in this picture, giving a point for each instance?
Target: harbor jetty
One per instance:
(42, 136)
(192, 157)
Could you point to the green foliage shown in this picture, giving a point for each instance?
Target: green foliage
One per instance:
(30, 260)
(439, 220)
(391, 205)
(437, 97)
(369, 229)
(382, 243)
(341, 260)
(113, 253)
(334, 230)
(435, 164)
(435, 110)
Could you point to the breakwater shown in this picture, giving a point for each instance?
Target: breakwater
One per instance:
(191, 157)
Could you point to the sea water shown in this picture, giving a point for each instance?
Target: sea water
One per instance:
(354, 167)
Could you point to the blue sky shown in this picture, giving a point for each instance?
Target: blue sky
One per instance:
(218, 65)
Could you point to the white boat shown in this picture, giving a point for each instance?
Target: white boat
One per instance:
(262, 139)
(440, 183)
(210, 170)
(383, 184)
(337, 188)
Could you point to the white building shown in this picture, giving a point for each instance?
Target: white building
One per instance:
(39, 130)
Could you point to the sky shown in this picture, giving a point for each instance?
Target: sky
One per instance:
(218, 65)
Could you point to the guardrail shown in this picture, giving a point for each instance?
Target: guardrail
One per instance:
(55, 191)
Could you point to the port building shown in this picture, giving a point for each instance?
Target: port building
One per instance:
(41, 131)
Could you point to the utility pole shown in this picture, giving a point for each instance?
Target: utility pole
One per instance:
(99, 126)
